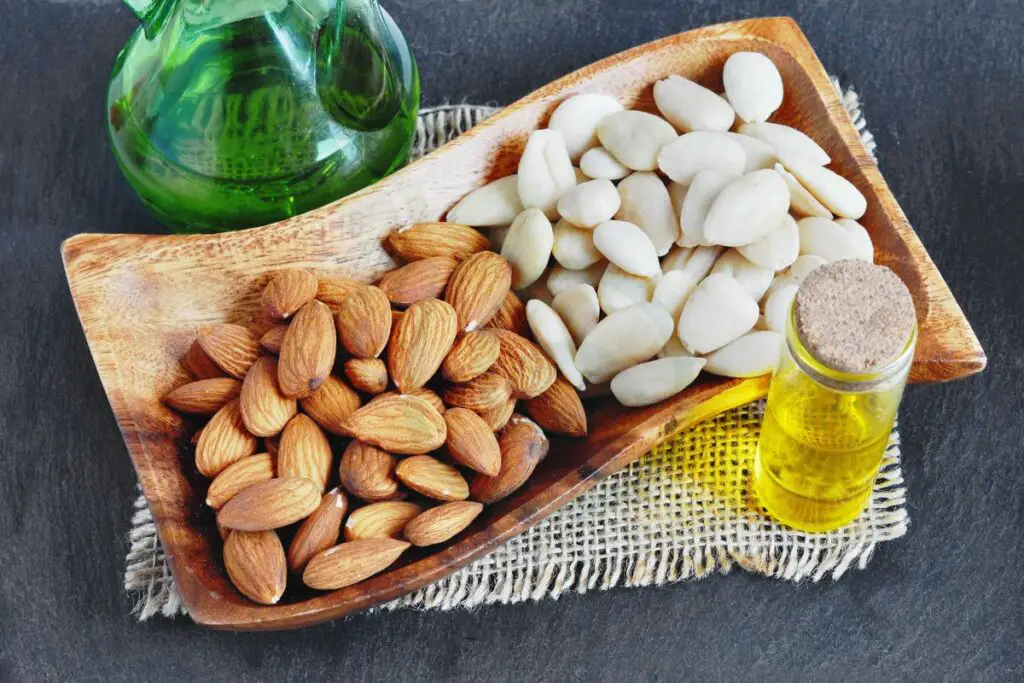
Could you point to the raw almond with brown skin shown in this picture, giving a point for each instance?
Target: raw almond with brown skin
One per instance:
(489, 391)
(418, 280)
(349, 563)
(511, 315)
(432, 478)
(287, 292)
(428, 395)
(395, 317)
(271, 443)
(367, 374)
(497, 418)
(199, 365)
(477, 289)
(524, 365)
(307, 352)
(420, 342)
(334, 289)
(380, 520)
(331, 404)
(428, 240)
(260, 323)
(471, 356)
(239, 476)
(256, 565)
(441, 523)
(271, 504)
(367, 472)
(205, 396)
(232, 347)
(273, 338)
(265, 410)
(398, 424)
(304, 452)
(559, 409)
(364, 322)
(471, 441)
(319, 531)
(523, 445)
(224, 440)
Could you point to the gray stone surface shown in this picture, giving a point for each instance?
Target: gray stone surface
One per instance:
(942, 85)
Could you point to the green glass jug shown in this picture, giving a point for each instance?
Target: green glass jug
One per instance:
(226, 114)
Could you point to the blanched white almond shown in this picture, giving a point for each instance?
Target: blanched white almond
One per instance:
(496, 203)
(784, 139)
(759, 153)
(545, 171)
(577, 119)
(656, 380)
(574, 247)
(647, 204)
(801, 202)
(562, 278)
(673, 291)
(752, 355)
(828, 239)
(776, 250)
(622, 340)
(691, 153)
(553, 336)
(619, 289)
(590, 203)
(776, 307)
(754, 279)
(578, 308)
(635, 137)
(753, 85)
(704, 189)
(803, 266)
(701, 261)
(527, 247)
(674, 348)
(628, 247)
(675, 259)
(719, 311)
(747, 209)
(781, 280)
(838, 194)
(599, 163)
(689, 106)
(865, 250)
(676, 194)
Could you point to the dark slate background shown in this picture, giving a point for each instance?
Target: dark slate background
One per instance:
(941, 83)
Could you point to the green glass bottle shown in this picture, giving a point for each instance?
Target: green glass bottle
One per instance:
(225, 114)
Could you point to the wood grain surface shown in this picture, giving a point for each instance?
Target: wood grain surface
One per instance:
(140, 298)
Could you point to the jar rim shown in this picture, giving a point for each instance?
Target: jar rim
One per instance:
(838, 379)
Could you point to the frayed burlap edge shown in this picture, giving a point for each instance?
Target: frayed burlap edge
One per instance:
(148, 578)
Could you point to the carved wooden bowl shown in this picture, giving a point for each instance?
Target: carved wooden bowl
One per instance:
(141, 297)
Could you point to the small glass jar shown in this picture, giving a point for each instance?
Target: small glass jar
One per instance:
(824, 435)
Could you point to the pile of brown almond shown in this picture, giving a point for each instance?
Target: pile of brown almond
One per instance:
(413, 383)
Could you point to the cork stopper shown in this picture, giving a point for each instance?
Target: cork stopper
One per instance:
(854, 316)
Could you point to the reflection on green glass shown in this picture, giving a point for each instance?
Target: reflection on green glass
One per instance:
(225, 114)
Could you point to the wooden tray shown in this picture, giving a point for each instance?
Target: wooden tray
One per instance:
(140, 299)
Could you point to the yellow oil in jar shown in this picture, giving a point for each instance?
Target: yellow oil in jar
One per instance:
(819, 453)
(823, 437)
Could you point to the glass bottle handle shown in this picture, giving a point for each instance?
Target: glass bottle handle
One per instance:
(358, 80)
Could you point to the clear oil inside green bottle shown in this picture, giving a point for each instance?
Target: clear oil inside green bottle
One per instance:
(236, 115)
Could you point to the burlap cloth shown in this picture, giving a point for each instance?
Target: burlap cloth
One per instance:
(682, 511)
